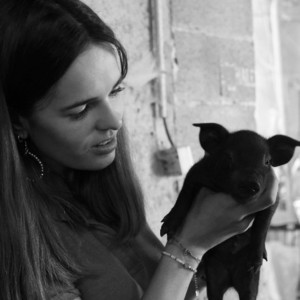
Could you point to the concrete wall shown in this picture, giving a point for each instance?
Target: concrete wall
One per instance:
(212, 42)
(214, 45)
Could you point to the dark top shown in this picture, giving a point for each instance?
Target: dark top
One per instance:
(113, 271)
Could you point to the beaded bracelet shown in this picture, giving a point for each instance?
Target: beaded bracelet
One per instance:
(184, 249)
(186, 266)
(181, 262)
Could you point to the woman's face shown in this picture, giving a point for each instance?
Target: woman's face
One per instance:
(77, 127)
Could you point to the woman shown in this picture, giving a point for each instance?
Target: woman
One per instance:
(71, 211)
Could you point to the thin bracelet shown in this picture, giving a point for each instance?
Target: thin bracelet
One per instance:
(181, 262)
(185, 250)
(186, 266)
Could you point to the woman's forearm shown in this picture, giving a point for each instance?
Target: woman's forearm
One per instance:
(171, 280)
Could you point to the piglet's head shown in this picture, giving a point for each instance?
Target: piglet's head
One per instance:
(238, 162)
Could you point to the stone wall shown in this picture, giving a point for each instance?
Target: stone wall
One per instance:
(214, 46)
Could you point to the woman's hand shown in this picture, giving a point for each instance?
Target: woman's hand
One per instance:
(215, 217)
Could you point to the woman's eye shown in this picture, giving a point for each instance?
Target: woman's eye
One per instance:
(80, 112)
(116, 91)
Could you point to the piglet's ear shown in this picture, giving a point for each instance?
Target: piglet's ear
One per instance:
(211, 136)
(282, 149)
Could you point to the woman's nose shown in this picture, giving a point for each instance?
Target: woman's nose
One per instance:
(109, 118)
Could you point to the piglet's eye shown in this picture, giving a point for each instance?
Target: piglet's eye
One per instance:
(268, 162)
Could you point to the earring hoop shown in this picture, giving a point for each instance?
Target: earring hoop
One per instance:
(20, 139)
(35, 157)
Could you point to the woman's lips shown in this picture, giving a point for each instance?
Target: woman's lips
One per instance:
(104, 147)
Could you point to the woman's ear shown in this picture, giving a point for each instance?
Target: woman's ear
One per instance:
(20, 126)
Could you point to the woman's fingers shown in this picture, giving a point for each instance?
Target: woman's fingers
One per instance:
(215, 217)
(245, 224)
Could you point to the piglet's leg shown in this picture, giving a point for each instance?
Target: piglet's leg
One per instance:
(259, 231)
(176, 216)
(247, 285)
(191, 186)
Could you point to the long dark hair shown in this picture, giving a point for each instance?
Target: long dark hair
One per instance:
(39, 39)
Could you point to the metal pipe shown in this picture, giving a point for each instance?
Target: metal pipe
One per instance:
(161, 57)
(278, 70)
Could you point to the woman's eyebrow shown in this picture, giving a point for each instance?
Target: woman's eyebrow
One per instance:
(83, 102)
(79, 103)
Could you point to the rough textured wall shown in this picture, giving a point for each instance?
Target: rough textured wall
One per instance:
(214, 45)
(212, 41)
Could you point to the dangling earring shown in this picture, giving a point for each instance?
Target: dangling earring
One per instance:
(30, 154)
